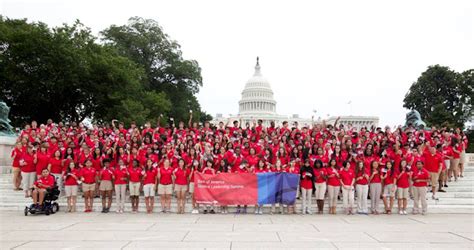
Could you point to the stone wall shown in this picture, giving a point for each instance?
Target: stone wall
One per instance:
(6, 145)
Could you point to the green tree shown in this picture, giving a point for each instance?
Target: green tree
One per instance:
(442, 96)
(144, 42)
(64, 74)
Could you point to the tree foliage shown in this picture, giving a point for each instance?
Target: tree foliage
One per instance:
(144, 42)
(64, 73)
(442, 96)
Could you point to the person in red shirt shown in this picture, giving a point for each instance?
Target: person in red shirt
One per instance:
(71, 177)
(375, 186)
(433, 163)
(362, 187)
(320, 176)
(55, 167)
(420, 183)
(292, 170)
(28, 170)
(307, 179)
(120, 180)
(88, 177)
(43, 158)
(180, 185)
(456, 148)
(40, 187)
(135, 173)
(16, 155)
(150, 178)
(334, 185)
(106, 175)
(388, 178)
(347, 183)
(403, 185)
(165, 186)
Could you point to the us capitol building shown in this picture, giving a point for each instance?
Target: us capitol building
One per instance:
(257, 102)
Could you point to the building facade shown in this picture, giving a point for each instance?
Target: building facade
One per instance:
(257, 102)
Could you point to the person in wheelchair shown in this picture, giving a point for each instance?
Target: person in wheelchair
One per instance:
(41, 187)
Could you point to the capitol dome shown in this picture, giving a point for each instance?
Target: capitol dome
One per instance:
(257, 96)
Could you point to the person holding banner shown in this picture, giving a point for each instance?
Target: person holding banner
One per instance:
(307, 179)
(209, 169)
(320, 176)
(334, 185)
(292, 170)
(243, 168)
(223, 168)
(261, 168)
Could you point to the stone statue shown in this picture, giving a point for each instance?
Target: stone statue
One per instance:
(413, 118)
(5, 127)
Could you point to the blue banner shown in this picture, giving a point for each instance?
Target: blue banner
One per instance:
(277, 188)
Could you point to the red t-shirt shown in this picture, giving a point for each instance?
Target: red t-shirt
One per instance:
(364, 180)
(165, 175)
(181, 176)
(432, 162)
(150, 176)
(56, 166)
(320, 174)
(376, 178)
(419, 175)
(16, 155)
(135, 174)
(106, 174)
(346, 176)
(306, 181)
(45, 182)
(30, 165)
(402, 180)
(333, 180)
(388, 177)
(42, 162)
(69, 179)
(120, 176)
(88, 174)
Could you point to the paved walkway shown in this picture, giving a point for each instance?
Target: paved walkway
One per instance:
(171, 231)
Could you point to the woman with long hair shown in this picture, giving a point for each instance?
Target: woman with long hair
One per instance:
(180, 185)
(120, 180)
(223, 168)
(320, 176)
(88, 176)
(389, 178)
(375, 186)
(334, 185)
(150, 178)
(362, 187)
(307, 179)
(71, 177)
(165, 186)
(403, 184)
(347, 185)
(105, 185)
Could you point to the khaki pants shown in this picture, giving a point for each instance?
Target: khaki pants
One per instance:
(375, 191)
(419, 194)
(28, 179)
(120, 195)
(333, 191)
(307, 196)
(348, 197)
(362, 192)
(320, 190)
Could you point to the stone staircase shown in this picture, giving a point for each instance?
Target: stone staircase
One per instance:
(459, 198)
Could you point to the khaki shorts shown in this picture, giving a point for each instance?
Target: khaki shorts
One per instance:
(149, 190)
(434, 177)
(134, 188)
(402, 193)
(70, 190)
(191, 187)
(106, 186)
(463, 157)
(180, 188)
(88, 187)
(165, 189)
(387, 191)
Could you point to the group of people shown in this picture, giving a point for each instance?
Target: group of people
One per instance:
(334, 161)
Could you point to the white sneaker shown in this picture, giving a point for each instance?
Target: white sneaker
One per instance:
(405, 212)
(256, 210)
(309, 212)
(195, 211)
(260, 211)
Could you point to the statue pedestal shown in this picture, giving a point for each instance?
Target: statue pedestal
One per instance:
(7, 143)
